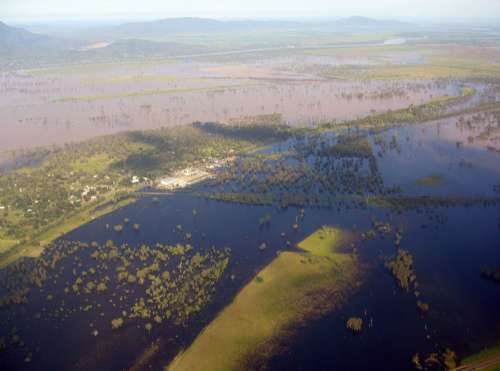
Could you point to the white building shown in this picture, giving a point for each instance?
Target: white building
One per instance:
(171, 182)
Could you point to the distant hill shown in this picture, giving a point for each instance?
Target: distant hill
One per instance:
(188, 25)
(20, 47)
(17, 43)
(14, 37)
(174, 25)
(159, 37)
(365, 22)
(161, 28)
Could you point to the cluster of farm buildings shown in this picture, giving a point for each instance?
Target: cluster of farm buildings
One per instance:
(190, 175)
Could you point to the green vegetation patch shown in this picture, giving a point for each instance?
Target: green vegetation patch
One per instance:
(145, 285)
(92, 68)
(61, 226)
(158, 91)
(437, 61)
(64, 190)
(324, 241)
(296, 286)
(351, 146)
(436, 108)
(7, 244)
(97, 163)
(129, 78)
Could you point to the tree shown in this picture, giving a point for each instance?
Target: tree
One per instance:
(116, 323)
(355, 324)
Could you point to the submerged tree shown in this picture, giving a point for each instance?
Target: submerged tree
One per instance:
(355, 324)
(116, 323)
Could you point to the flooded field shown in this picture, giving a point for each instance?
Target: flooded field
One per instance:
(103, 347)
(194, 194)
(450, 241)
(76, 103)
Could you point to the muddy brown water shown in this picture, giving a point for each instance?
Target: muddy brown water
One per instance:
(33, 111)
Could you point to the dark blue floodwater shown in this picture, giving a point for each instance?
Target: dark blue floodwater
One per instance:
(70, 344)
(449, 245)
(464, 308)
(428, 150)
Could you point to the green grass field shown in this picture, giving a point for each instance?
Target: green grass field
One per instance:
(439, 61)
(6, 245)
(92, 68)
(36, 244)
(118, 79)
(294, 287)
(141, 93)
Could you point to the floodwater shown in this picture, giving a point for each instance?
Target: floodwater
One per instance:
(431, 150)
(53, 342)
(449, 244)
(72, 104)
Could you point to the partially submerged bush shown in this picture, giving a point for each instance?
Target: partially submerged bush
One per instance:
(401, 269)
(355, 324)
(116, 323)
(424, 307)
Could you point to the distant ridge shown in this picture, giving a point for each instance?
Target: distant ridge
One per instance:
(177, 25)
(358, 21)
(13, 36)
(186, 25)
(17, 42)
(158, 37)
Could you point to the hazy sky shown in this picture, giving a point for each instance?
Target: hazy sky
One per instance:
(248, 8)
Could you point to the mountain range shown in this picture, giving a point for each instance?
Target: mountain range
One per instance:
(155, 37)
(187, 25)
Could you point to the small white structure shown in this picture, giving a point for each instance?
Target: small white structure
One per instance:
(172, 183)
(135, 179)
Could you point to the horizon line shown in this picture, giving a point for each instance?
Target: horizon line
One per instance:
(117, 16)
